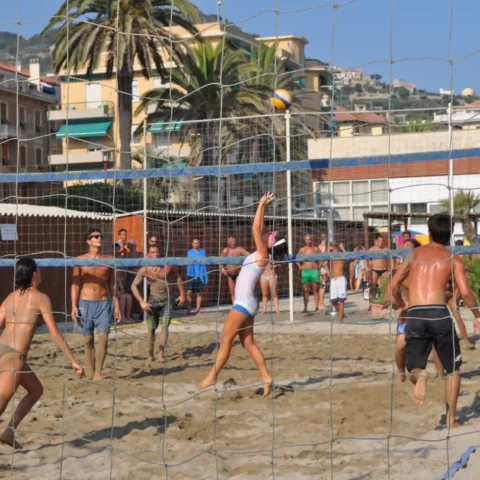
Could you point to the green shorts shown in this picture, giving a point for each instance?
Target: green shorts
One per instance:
(160, 312)
(310, 275)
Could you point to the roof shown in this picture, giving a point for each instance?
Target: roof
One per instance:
(25, 210)
(13, 68)
(345, 115)
(474, 105)
(26, 73)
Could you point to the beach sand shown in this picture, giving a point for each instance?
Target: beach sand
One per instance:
(336, 409)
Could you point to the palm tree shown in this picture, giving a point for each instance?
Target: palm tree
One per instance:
(463, 204)
(86, 29)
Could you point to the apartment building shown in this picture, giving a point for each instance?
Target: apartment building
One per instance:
(25, 97)
(89, 114)
(398, 173)
(349, 123)
(466, 117)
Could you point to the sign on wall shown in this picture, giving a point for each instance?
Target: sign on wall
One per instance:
(9, 232)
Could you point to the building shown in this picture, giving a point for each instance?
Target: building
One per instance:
(413, 167)
(465, 117)
(350, 123)
(345, 76)
(25, 139)
(90, 103)
(399, 82)
(446, 92)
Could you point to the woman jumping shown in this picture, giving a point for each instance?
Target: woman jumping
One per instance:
(240, 320)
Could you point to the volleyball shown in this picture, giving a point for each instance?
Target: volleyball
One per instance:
(281, 100)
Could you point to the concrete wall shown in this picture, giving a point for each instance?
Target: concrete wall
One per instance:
(395, 144)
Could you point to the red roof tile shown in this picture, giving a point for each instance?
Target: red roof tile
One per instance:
(345, 115)
(26, 73)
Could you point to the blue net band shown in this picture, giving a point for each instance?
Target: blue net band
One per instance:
(176, 171)
(183, 261)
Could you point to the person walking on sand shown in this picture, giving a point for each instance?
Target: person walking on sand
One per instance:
(241, 318)
(158, 305)
(310, 277)
(19, 314)
(429, 322)
(92, 293)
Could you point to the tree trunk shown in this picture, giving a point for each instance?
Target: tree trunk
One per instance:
(469, 230)
(125, 78)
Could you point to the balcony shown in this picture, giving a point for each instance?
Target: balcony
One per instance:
(57, 157)
(81, 111)
(8, 131)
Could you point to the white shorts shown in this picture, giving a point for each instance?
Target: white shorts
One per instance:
(338, 289)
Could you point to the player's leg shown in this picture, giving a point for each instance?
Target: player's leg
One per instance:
(248, 342)
(306, 296)
(100, 354)
(321, 297)
(152, 324)
(374, 282)
(189, 301)
(231, 288)
(274, 292)
(10, 371)
(438, 364)
(122, 301)
(235, 321)
(265, 292)
(361, 275)
(30, 382)
(89, 345)
(164, 323)
(199, 300)
(351, 274)
(417, 350)
(128, 307)
(400, 359)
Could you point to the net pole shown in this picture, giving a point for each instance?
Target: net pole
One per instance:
(450, 168)
(289, 212)
(145, 201)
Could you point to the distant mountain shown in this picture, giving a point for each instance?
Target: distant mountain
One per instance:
(34, 47)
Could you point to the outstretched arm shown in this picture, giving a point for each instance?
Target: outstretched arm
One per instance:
(57, 337)
(257, 229)
(460, 277)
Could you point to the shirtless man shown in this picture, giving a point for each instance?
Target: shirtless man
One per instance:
(232, 271)
(310, 277)
(429, 324)
(338, 282)
(323, 273)
(377, 267)
(93, 291)
(18, 318)
(158, 305)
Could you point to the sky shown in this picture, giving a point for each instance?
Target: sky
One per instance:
(359, 34)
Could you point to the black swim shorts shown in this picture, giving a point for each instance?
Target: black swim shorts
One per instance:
(431, 326)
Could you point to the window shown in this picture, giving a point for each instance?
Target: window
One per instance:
(161, 139)
(380, 222)
(323, 193)
(379, 190)
(22, 116)
(38, 156)
(93, 95)
(400, 207)
(3, 113)
(418, 208)
(38, 121)
(436, 208)
(341, 192)
(5, 153)
(360, 192)
(135, 92)
(358, 213)
(344, 213)
(23, 156)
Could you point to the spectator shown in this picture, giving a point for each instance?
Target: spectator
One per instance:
(197, 276)
(122, 243)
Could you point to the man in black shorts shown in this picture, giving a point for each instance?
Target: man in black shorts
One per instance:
(197, 276)
(429, 323)
(232, 271)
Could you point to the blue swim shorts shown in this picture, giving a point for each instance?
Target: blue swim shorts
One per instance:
(95, 315)
(401, 328)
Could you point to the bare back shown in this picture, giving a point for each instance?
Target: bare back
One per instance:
(21, 318)
(429, 269)
(94, 282)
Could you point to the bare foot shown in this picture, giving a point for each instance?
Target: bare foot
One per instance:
(322, 307)
(340, 318)
(470, 346)
(205, 383)
(7, 438)
(278, 312)
(97, 377)
(197, 312)
(90, 376)
(400, 377)
(267, 388)
(420, 390)
(452, 423)
(264, 312)
(304, 310)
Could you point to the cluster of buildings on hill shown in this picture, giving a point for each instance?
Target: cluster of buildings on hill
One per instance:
(74, 120)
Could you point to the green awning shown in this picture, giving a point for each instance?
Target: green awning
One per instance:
(84, 130)
(166, 127)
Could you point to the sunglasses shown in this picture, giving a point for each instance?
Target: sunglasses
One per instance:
(96, 237)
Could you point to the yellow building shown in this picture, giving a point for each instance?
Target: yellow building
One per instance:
(88, 110)
(25, 138)
(351, 123)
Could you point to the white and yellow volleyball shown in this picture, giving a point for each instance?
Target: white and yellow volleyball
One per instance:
(281, 100)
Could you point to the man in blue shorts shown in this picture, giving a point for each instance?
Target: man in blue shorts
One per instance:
(93, 303)
(197, 276)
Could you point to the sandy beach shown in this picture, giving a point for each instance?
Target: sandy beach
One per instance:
(337, 409)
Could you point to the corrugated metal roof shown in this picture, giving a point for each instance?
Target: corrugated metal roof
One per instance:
(24, 210)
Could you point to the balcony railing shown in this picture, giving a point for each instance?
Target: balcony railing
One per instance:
(61, 157)
(83, 110)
